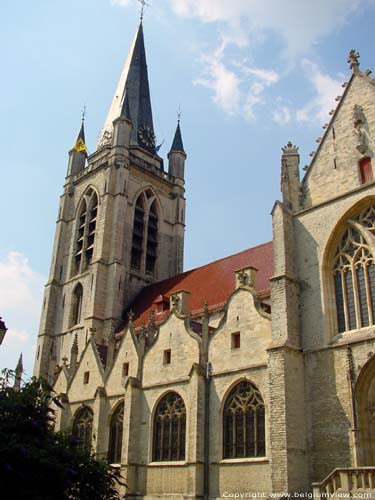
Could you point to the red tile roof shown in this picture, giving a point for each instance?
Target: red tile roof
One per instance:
(212, 283)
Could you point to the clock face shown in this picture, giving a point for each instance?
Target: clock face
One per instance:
(147, 136)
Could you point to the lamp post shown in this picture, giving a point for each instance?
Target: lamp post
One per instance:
(3, 330)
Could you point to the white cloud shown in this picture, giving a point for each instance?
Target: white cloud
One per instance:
(122, 3)
(282, 115)
(299, 23)
(237, 87)
(21, 290)
(326, 88)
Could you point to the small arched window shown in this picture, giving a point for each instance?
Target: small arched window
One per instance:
(354, 274)
(244, 422)
(86, 231)
(82, 428)
(169, 429)
(76, 305)
(115, 435)
(145, 233)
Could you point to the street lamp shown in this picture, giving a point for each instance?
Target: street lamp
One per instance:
(3, 330)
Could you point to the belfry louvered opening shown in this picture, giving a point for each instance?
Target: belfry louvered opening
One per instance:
(354, 273)
(145, 233)
(86, 229)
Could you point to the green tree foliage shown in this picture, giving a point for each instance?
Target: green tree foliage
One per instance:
(37, 463)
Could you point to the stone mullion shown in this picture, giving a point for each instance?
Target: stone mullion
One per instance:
(356, 297)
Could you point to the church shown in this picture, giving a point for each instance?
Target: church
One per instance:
(252, 375)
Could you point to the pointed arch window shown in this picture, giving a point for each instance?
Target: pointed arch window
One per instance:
(82, 428)
(244, 422)
(169, 429)
(76, 306)
(145, 233)
(354, 273)
(86, 231)
(115, 435)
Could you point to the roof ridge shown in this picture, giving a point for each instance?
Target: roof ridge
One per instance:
(158, 283)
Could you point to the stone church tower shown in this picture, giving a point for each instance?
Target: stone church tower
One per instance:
(253, 375)
(120, 223)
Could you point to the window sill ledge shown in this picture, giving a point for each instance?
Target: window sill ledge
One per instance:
(252, 460)
(176, 463)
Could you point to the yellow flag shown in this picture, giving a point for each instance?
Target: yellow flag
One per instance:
(80, 145)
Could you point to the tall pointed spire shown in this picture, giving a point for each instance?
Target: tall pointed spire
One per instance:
(134, 87)
(18, 374)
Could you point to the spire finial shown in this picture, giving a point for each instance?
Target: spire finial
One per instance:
(143, 3)
(83, 113)
(179, 114)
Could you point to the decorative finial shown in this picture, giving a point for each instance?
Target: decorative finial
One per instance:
(143, 3)
(83, 113)
(65, 360)
(179, 114)
(130, 316)
(353, 60)
(290, 149)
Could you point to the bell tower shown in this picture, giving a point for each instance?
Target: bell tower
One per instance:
(120, 224)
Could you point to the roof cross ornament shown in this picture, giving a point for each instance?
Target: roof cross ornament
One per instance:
(143, 3)
(179, 113)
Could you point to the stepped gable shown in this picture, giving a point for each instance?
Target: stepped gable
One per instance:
(212, 283)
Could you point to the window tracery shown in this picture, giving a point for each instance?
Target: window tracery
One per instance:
(354, 273)
(170, 429)
(115, 435)
(82, 428)
(244, 422)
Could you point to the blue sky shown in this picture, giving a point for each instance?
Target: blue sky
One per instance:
(249, 75)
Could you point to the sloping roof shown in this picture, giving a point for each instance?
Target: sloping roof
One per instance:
(212, 283)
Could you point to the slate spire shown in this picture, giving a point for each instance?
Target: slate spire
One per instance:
(177, 144)
(132, 98)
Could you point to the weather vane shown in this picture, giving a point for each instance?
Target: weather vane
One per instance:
(143, 3)
(84, 112)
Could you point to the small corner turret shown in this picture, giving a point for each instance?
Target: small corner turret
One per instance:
(122, 126)
(290, 179)
(177, 155)
(78, 154)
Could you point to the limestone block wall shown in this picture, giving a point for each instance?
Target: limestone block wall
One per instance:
(336, 162)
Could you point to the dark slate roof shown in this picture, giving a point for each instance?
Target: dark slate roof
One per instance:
(212, 283)
(137, 89)
(177, 144)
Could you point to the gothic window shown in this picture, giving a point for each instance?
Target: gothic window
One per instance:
(86, 231)
(138, 230)
(115, 435)
(82, 428)
(365, 170)
(354, 273)
(169, 429)
(145, 233)
(76, 305)
(244, 422)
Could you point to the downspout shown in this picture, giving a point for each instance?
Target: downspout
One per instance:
(206, 471)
